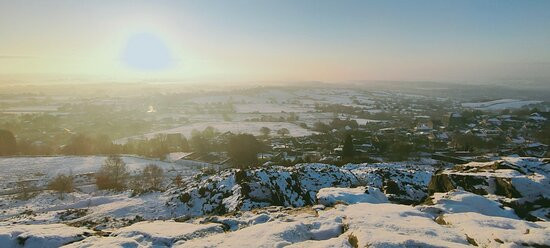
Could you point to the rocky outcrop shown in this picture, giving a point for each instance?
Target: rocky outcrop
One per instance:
(297, 186)
(520, 183)
(404, 182)
(233, 190)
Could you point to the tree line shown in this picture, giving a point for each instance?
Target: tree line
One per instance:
(241, 148)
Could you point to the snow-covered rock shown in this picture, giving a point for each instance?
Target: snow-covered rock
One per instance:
(273, 234)
(393, 225)
(234, 190)
(520, 183)
(382, 225)
(296, 186)
(278, 233)
(458, 201)
(227, 191)
(51, 235)
(275, 206)
(402, 182)
(490, 231)
(331, 196)
(155, 233)
(95, 241)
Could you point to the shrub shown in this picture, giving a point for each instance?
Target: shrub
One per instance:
(177, 181)
(353, 241)
(62, 184)
(153, 176)
(135, 184)
(24, 189)
(113, 174)
(150, 179)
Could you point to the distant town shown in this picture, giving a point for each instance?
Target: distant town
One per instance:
(286, 126)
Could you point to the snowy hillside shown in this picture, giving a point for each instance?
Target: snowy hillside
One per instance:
(43, 169)
(499, 203)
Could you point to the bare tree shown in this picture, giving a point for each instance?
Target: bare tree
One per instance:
(153, 176)
(113, 174)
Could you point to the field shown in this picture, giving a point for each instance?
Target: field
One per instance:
(44, 168)
(225, 126)
(500, 104)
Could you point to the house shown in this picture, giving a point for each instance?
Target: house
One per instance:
(213, 160)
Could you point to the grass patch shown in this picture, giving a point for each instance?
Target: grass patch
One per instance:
(353, 241)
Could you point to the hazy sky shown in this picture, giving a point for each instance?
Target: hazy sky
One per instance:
(277, 40)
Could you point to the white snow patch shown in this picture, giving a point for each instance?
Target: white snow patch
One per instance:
(458, 201)
(490, 231)
(51, 235)
(331, 196)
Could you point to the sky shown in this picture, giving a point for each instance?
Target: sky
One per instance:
(283, 40)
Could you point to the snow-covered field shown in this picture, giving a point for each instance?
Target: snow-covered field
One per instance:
(269, 108)
(500, 104)
(308, 205)
(234, 127)
(366, 121)
(44, 168)
(32, 109)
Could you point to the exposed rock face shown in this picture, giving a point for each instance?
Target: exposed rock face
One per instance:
(297, 186)
(405, 183)
(440, 183)
(521, 183)
(243, 190)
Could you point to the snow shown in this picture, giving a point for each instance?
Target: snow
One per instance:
(52, 235)
(490, 231)
(120, 207)
(373, 225)
(269, 108)
(45, 168)
(226, 126)
(390, 225)
(361, 121)
(274, 207)
(500, 104)
(459, 201)
(331, 196)
(166, 232)
(529, 176)
(410, 178)
(275, 234)
(108, 242)
(398, 225)
(393, 225)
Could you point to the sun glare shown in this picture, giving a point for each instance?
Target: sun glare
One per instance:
(146, 51)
